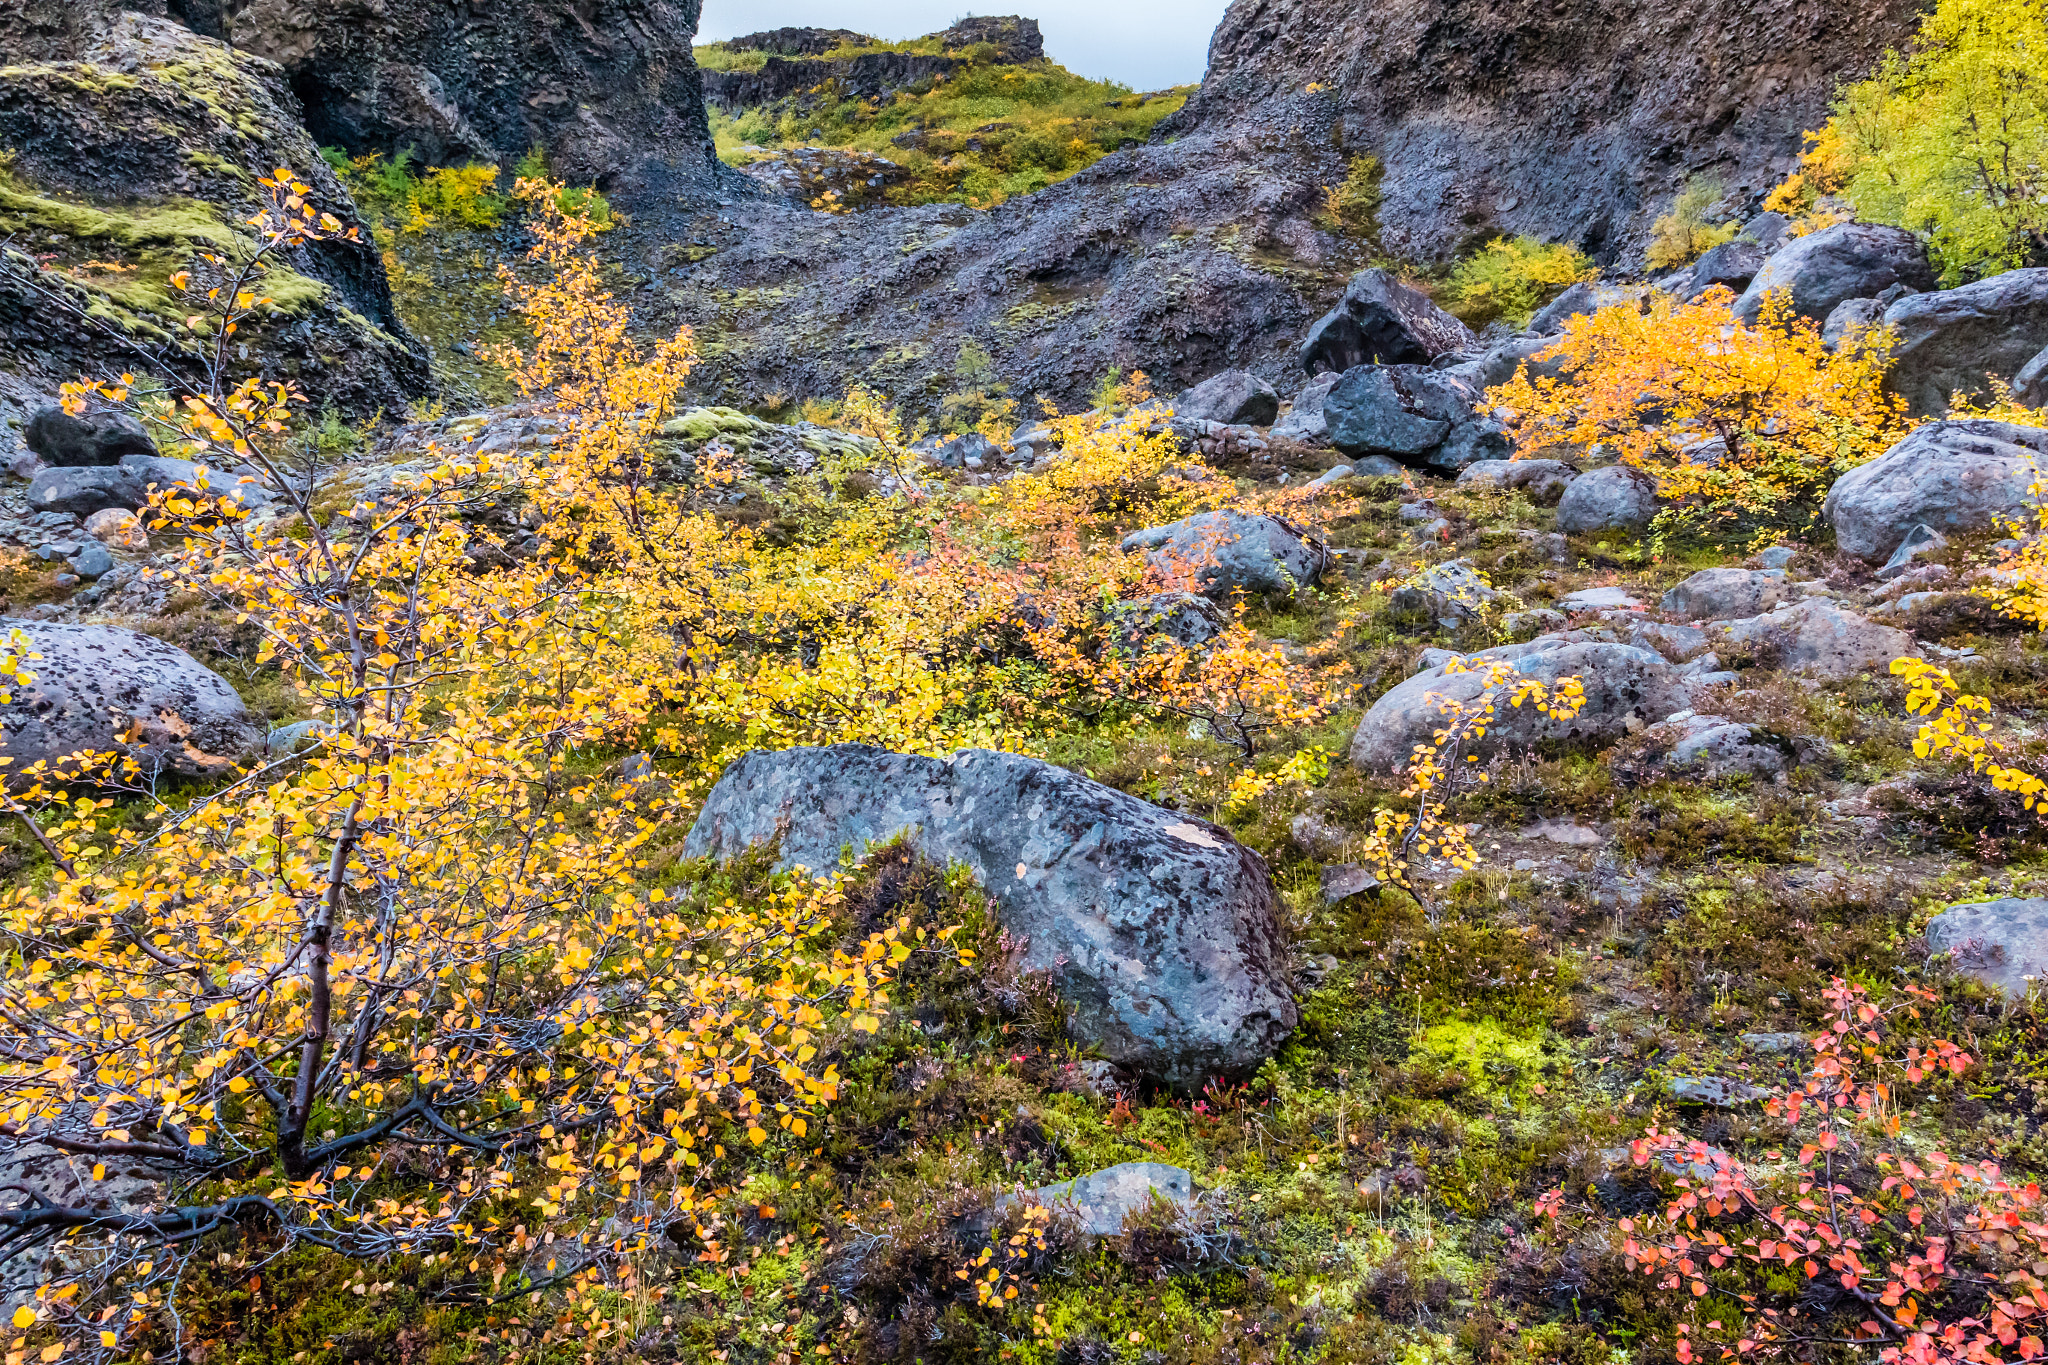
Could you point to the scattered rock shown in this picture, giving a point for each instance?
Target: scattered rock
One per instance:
(91, 561)
(1731, 265)
(1721, 594)
(1777, 556)
(1101, 1200)
(1921, 540)
(1617, 498)
(1846, 261)
(1624, 685)
(1817, 637)
(1717, 1092)
(1709, 747)
(1342, 881)
(100, 438)
(101, 689)
(1775, 1042)
(1954, 341)
(1565, 832)
(1304, 421)
(1533, 622)
(296, 737)
(1543, 480)
(1450, 592)
(1674, 641)
(1381, 321)
(1231, 551)
(1599, 599)
(1958, 476)
(1849, 319)
(1413, 413)
(1184, 618)
(1234, 398)
(1159, 931)
(2001, 943)
(1316, 835)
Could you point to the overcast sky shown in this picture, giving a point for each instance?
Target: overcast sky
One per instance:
(1146, 44)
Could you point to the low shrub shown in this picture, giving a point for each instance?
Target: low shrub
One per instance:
(1512, 278)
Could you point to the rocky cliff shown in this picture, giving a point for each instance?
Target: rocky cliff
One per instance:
(1574, 121)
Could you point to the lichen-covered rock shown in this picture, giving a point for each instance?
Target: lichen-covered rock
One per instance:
(1450, 592)
(102, 689)
(1234, 398)
(1623, 685)
(133, 139)
(1712, 748)
(1719, 594)
(1381, 321)
(2002, 943)
(1617, 498)
(1846, 261)
(1953, 342)
(85, 489)
(1957, 476)
(1543, 480)
(1227, 552)
(1817, 637)
(1159, 931)
(1181, 618)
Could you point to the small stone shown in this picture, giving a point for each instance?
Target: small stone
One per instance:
(1343, 881)
(1716, 1091)
(92, 561)
(1102, 1200)
(118, 528)
(1599, 599)
(1564, 832)
(1921, 540)
(1526, 864)
(1774, 1042)
(1777, 556)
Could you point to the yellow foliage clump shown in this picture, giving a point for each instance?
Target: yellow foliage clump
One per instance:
(1958, 725)
(1687, 231)
(1738, 419)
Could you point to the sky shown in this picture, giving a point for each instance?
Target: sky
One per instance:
(1146, 44)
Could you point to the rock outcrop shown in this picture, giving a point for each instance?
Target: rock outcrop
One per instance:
(1159, 931)
(2002, 943)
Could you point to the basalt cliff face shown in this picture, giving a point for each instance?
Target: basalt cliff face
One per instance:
(1574, 121)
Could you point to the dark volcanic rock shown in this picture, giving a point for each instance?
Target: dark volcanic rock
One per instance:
(1159, 931)
(1575, 121)
(97, 438)
(1381, 321)
(1414, 414)
(163, 134)
(1234, 398)
(1227, 552)
(606, 88)
(1617, 498)
(1954, 341)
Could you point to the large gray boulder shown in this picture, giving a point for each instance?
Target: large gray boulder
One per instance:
(1617, 498)
(1159, 931)
(1228, 552)
(1719, 594)
(100, 437)
(160, 473)
(1953, 341)
(1587, 296)
(2030, 385)
(1234, 398)
(1381, 321)
(101, 689)
(1846, 261)
(2001, 943)
(1412, 413)
(1957, 477)
(1545, 481)
(1731, 265)
(1817, 637)
(1624, 685)
(84, 489)
(1450, 592)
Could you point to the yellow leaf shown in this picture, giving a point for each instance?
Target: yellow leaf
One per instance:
(24, 1317)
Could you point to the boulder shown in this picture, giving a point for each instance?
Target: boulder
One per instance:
(118, 527)
(100, 689)
(1609, 598)
(2001, 943)
(1617, 498)
(1543, 480)
(1953, 341)
(1504, 361)
(1231, 551)
(1304, 421)
(1846, 261)
(1587, 296)
(1709, 747)
(2030, 385)
(1624, 686)
(1159, 931)
(100, 437)
(1450, 592)
(159, 472)
(1767, 230)
(1716, 1092)
(1721, 594)
(1921, 540)
(1731, 265)
(1414, 414)
(1101, 1200)
(1381, 321)
(1849, 318)
(1816, 637)
(1181, 618)
(1959, 476)
(85, 489)
(1234, 398)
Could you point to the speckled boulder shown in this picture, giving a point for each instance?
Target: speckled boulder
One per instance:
(1617, 498)
(1623, 684)
(1226, 552)
(1963, 476)
(2001, 942)
(99, 689)
(1159, 930)
(1846, 261)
